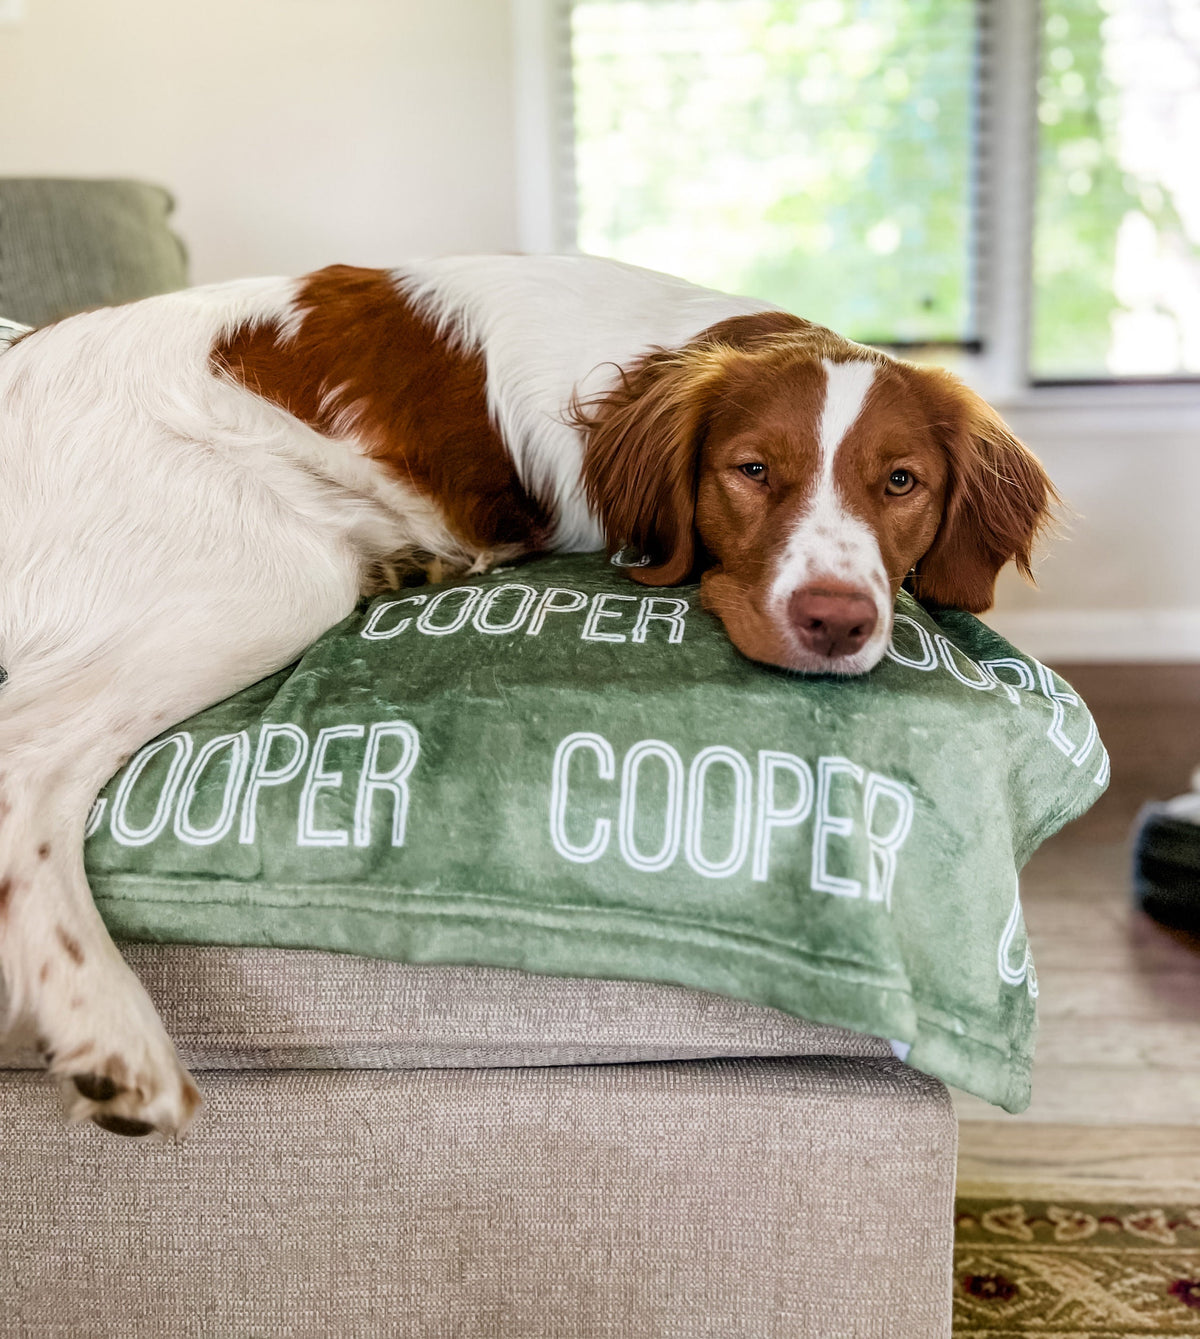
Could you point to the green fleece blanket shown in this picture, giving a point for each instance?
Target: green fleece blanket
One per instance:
(550, 768)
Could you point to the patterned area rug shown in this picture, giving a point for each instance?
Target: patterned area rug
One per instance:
(1064, 1270)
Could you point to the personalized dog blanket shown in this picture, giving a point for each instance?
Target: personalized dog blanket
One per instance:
(551, 768)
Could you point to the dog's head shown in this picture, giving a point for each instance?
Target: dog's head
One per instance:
(807, 477)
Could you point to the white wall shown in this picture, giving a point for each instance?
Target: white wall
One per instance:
(1121, 578)
(294, 133)
(299, 132)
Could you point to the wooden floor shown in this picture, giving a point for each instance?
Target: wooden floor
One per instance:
(1116, 1088)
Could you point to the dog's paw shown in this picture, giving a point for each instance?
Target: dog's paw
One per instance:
(131, 1099)
(136, 1088)
(103, 1042)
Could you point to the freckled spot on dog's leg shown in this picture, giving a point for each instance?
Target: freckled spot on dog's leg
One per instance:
(44, 973)
(76, 1002)
(96, 1087)
(7, 887)
(44, 851)
(70, 945)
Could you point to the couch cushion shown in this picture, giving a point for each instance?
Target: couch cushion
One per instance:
(251, 1008)
(69, 245)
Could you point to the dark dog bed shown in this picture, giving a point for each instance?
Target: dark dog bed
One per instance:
(1166, 862)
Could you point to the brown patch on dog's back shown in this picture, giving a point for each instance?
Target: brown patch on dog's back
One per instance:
(44, 851)
(70, 945)
(7, 885)
(364, 361)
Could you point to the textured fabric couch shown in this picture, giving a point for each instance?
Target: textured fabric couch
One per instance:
(448, 1151)
(434, 1151)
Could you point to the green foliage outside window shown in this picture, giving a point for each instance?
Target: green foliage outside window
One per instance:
(817, 154)
(1116, 277)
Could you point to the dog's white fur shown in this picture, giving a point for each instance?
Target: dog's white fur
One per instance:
(828, 542)
(162, 546)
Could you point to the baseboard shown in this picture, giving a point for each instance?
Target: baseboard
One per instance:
(1009, 1158)
(1103, 635)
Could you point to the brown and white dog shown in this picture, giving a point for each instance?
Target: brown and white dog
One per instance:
(194, 487)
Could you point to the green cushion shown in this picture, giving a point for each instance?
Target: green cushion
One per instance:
(66, 246)
(551, 768)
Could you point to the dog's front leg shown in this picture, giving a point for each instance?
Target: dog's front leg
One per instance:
(67, 985)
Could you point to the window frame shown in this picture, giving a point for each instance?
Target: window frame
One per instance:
(545, 189)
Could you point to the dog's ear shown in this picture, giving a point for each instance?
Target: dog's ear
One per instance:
(643, 442)
(998, 498)
(641, 456)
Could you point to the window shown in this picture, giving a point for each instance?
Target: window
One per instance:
(1116, 243)
(1014, 181)
(797, 152)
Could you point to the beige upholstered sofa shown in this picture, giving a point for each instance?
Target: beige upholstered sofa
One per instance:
(450, 1151)
(445, 1151)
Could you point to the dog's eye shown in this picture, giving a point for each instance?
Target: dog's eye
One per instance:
(900, 482)
(754, 469)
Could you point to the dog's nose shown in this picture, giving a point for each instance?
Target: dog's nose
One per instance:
(831, 621)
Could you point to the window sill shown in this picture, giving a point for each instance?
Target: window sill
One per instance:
(1118, 409)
